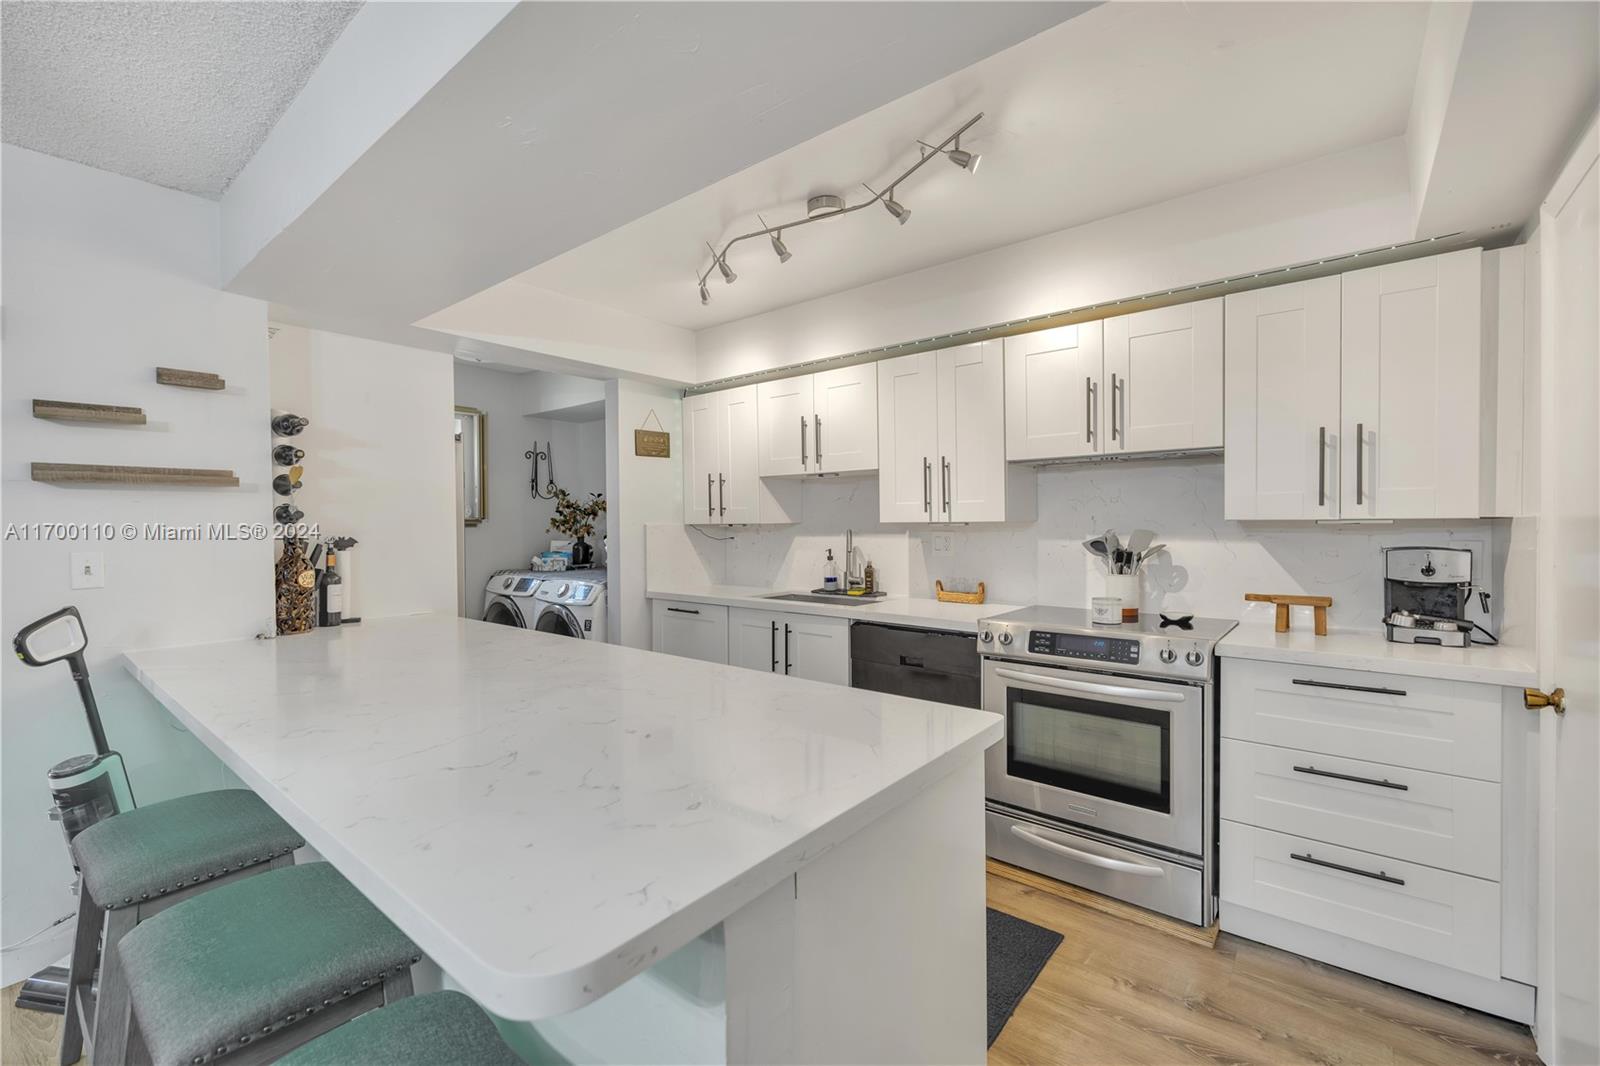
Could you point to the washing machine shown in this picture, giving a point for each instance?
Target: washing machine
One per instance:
(508, 598)
(572, 604)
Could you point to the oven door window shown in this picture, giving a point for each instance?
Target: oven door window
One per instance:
(1109, 750)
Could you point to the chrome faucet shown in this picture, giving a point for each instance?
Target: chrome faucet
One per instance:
(854, 576)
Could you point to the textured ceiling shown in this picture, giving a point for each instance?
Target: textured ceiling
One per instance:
(178, 94)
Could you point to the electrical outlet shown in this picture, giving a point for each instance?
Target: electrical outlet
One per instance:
(943, 543)
(88, 570)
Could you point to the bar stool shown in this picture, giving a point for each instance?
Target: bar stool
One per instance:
(442, 1027)
(250, 971)
(138, 864)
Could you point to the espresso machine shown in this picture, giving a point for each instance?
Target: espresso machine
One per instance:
(1425, 595)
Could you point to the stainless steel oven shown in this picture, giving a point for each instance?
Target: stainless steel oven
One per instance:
(1105, 777)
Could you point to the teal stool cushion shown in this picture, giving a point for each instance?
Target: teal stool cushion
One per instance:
(432, 1030)
(153, 850)
(219, 970)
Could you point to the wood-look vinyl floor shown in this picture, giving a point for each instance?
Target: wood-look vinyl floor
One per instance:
(1128, 992)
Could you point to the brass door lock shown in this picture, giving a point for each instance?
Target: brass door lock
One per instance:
(1533, 699)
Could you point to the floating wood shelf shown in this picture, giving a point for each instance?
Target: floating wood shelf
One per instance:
(62, 411)
(90, 473)
(188, 379)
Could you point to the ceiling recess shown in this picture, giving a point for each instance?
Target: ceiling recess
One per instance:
(828, 205)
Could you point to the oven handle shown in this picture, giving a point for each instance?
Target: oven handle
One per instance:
(1105, 862)
(1093, 688)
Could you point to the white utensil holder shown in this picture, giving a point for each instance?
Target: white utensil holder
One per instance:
(1125, 587)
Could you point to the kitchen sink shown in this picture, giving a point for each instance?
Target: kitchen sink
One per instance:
(820, 597)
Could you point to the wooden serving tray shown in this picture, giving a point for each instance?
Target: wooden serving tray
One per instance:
(1319, 609)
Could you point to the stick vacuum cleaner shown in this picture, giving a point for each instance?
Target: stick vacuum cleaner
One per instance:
(83, 789)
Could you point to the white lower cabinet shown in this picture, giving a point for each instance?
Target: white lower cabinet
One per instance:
(799, 645)
(692, 630)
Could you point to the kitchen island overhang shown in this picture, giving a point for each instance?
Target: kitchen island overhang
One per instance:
(549, 818)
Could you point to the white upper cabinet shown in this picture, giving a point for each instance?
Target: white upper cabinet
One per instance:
(1282, 373)
(1410, 372)
(941, 439)
(1163, 379)
(722, 485)
(824, 423)
(1054, 400)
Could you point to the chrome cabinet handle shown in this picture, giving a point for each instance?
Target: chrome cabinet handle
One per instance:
(722, 499)
(683, 610)
(1322, 466)
(944, 484)
(1385, 783)
(710, 511)
(1361, 431)
(1091, 688)
(1116, 397)
(802, 441)
(1379, 876)
(1088, 410)
(1105, 862)
(786, 663)
(927, 486)
(1348, 688)
(816, 436)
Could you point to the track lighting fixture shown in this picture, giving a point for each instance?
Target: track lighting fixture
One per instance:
(829, 205)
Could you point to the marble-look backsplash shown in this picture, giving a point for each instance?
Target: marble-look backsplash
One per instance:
(1208, 566)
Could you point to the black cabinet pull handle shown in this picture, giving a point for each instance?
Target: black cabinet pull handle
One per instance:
(1379, 876)
(683, 610)
(786, 663)
(1350, 688)
(1352, 777)
(774, 648)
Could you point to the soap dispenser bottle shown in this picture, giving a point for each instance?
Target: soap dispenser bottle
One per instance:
(830, 574)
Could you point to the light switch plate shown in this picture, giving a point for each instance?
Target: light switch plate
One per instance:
(943, 543)
(88, 570)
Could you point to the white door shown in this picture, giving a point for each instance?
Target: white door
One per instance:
(1164, 378)
(844, 423)
(784, 413)
(815, 648)
(753, 640)
(970, 473)
(1281, 431)
(1410, 357)
(700, 439)
(692, 630)
(908, 438)
(1053, 395)
(738, 480)
(1568, 1023)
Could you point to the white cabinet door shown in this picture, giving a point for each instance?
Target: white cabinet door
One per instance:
(815, 648)
(844, 423)
(970, 474)
(753, 639)
(1053, 394)
(908, 438)
(1280, 457)
(1164, 378)
(784, 414)
(692, 630)
(739, 488)
(700, 443)
(1410, 366)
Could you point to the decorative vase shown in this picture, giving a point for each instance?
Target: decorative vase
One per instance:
(582, 552)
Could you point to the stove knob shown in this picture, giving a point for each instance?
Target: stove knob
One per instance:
(1005, 638)
(1194, 658)
(986, 636)
(1168, 656)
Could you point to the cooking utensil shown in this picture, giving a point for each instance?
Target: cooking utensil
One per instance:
(1150, 552)
(1097, 546)
(1139, 540)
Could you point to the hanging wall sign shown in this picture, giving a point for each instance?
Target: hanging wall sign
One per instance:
(652, 443)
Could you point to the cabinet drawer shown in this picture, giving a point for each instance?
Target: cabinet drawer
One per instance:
(1447, 918)
(1433, 819)
(692, 630)
(1444, 726)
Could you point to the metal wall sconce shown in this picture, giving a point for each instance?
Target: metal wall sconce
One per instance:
(547, 489)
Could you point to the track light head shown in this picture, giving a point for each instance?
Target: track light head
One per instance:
(705, 294)
(901, 213)
(728, 276)
(780, 249)
(967, 161)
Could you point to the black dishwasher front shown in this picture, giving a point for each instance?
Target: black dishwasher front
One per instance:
(928, 664)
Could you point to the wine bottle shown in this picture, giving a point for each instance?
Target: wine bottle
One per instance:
(288, 425)
(287, 514)
(286, 455)
(330, 595)
(284, 484)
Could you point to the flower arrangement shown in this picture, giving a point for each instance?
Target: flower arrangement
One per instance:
(574, 517)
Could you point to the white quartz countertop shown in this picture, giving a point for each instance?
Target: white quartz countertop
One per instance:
(889, 610)
(1362, 650)
(547, 817)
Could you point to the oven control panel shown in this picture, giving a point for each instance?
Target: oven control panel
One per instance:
(1077, 646)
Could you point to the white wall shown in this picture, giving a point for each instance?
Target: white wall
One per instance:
(1340, 203)
(518, 526)
(1209, 566)
(642, 491)
(380, 461)
(105, 279)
